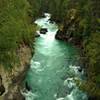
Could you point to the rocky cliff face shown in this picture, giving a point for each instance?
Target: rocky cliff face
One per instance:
(71, 30)
(11, 80)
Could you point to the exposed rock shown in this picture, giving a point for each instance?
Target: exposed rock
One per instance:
(50, 21)
(43, 30)
(2, 89)
(61, 36)
(13, 95)
(80, 69)
(70, 26)
(12, 80)
(37, 34)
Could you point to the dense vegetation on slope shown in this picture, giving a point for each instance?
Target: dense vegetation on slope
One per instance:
(15, 29)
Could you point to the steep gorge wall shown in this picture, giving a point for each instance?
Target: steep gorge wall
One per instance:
(12, 80)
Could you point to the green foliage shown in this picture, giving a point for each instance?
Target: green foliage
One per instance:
(38, 8)
(92, 51)
(14, 29)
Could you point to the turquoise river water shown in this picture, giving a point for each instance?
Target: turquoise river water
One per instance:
(54, 68)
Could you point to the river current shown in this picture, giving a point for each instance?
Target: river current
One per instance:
(54, 68)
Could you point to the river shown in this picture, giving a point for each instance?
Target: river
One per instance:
(54, 68)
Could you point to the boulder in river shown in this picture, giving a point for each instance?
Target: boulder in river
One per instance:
(51, 21)
(37, 34)
(43, 30)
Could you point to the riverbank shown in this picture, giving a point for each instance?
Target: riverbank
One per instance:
(12, 80)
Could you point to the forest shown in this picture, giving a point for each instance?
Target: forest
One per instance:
(79, 24)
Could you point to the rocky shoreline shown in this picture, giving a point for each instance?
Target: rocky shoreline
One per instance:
(12, 80)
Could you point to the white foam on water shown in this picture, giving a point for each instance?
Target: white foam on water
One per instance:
(35, 65)
(69, 82)
(60, 99)
(69, 97)
(29, 95)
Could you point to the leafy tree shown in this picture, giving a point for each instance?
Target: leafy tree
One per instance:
(15, 29)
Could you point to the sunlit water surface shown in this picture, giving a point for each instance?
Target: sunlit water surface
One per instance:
(53, 68)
